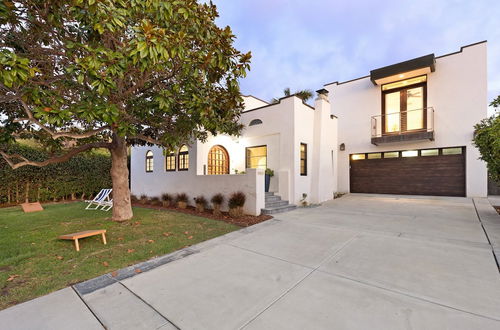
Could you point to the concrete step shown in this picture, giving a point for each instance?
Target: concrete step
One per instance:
(276, 203)
(269, 193)
(278, 209)
(272, 198)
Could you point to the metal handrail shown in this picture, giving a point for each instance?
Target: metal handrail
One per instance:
(377, 122)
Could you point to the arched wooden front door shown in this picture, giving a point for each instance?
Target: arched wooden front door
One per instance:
(218, 161)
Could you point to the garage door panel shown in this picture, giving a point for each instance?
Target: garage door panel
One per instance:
(442, 175)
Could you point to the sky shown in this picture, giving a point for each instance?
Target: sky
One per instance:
(308, 43)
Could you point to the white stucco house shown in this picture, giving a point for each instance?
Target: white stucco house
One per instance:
(403, 129)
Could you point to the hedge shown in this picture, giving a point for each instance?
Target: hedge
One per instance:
(80, 177)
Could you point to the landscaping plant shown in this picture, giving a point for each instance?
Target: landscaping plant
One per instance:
(217, 201)
(487, 140)
(236, 202)
(201, 203)
(144, 199)
(166, 199)
(155, 201)
(182, 200)
(84, 74)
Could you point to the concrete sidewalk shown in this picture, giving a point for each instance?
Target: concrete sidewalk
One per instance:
(358, 262)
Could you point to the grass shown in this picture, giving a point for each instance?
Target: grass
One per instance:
(33, 262)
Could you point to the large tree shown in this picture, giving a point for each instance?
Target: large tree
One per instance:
(113, 73)
(487, 140)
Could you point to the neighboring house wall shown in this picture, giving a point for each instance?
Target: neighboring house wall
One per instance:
(458, 92)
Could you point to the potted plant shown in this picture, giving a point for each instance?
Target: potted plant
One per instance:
(182, 200)
(236, 202)
(201, 203)
(217, 201)
(143, 199)
(166, 199)
(269, 174)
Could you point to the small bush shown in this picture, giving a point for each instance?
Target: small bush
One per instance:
(217, 199)
(134, 199)
(167, 197)
(155, 201)
(201, 200)
(182, 197)
(144, 199)
(237, 199)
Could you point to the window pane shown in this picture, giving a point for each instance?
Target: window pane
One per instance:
(410, 153)
(392, 115)
(392, 154)
(376, 155)
(303, 159)
(452, 151)
(405, 82)
(257, 157)
(430, 152)
(414, 108)
(358, 156)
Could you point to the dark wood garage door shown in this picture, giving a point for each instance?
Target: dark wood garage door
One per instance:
(438, 172)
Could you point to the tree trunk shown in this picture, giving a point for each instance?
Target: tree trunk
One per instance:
(122, 207)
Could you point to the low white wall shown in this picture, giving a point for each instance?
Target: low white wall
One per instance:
(159, 181)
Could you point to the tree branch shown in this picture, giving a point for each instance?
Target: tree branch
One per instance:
(58, 159)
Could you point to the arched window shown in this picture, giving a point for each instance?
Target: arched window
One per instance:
(183, 158)
(170, 161)
(149, 161)
(255, 122)
(218, 161)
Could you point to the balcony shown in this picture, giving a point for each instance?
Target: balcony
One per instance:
(412, 125)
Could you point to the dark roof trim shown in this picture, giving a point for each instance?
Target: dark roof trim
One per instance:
(279, 101)
(427, 61)
(454, 53)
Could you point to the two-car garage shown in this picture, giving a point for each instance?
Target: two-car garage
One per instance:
(438, 171)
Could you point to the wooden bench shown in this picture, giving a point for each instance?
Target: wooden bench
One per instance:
(87, 233)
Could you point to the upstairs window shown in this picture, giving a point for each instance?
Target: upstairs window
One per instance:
(170, 161)
(149, 161)
(183, 158)
(303, 159)
(255, 122)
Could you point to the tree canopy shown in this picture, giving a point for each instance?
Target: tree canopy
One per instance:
(111, 73)
(304, 94)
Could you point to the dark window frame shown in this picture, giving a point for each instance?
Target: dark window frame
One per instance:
(255, 121)
(181, 158)
(149, 165)
(303, 173)
(167, 156)
(403, 106)
(246, 154)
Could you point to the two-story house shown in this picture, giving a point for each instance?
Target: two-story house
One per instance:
(406, 128)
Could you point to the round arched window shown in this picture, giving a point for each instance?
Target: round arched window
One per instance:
(183, 158)
(218, 160)
(255, 122)
(149, 161)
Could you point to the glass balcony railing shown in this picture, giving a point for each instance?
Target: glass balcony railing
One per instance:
(403, 123)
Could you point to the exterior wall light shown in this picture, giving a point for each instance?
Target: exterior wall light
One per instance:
(342, 146)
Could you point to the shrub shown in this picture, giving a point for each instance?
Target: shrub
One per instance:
(134, 199)
(155, 201)
(237, 199)
(217, 199)
(182, 197)
(167, 197)
(143, 199)
(201, 200)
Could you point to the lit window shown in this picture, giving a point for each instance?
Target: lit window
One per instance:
(170, 161)
(256, 157)
(410, 153)
(255, 122)
(429, 152)
(149, 161)
(391, 154)
(452, 151)
(358, 156)
(403, 83)
(218, 161)
(183, 158)
(303, 159)
(375, 155)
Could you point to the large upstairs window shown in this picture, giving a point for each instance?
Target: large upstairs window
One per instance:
(183, 158)
(404, 105)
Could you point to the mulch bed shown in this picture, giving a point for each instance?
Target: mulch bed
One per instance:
(243, 221)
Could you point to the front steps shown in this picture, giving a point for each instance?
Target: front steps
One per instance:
(274, 204)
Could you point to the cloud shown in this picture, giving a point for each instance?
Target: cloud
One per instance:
(305, 44)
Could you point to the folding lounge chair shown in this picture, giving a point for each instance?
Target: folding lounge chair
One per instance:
(101, 200)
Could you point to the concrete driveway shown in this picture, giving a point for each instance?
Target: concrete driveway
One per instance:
(358, 262)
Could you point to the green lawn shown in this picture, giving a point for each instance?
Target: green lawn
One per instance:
(33, 262)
